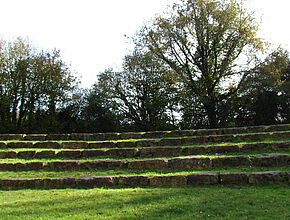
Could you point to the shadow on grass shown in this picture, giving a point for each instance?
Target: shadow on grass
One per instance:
(210, 202)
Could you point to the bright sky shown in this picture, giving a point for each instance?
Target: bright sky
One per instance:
(90, 33)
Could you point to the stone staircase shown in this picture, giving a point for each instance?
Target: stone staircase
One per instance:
(229, 156)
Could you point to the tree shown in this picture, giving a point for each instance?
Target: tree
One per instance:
(204, 42)
(143, 92)
(30, 82)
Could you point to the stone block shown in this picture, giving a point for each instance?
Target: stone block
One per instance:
(95, 181)
(34, 137)
(106, 144)
(29, 166)
(147, 143)
(111, 136)
(198, 150)
(234, 178)
(254, 147)
(135, 181)
(153, 134)
(49, 145)
(224, 149)
(20, 145)
(231, 161)
(170, 142)
(64, 182)
(126, 144)
(26, 154)
(93, 153)
(3, 145)
(148, 164)
(123, 153)
(203, 179)
(270, 160)
(74, 145)
(20, 183)
(7, 167)
(190, 163)
(170, 180)
(45, 154)
(99, 164)
(130, 135)
(57, 137)
(6, 137)
(63, 165)
(270, 177)
(8, 154)
(160, 151)
(69, 154)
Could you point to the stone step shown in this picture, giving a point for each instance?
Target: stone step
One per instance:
(147, 143)
(179, 163)
(142, 135)
(256, 178)
(146, 152)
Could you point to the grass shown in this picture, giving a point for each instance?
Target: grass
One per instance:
(129, 172)
(213, 155)
(182, 203)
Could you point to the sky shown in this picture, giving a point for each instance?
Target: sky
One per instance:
(91, 33)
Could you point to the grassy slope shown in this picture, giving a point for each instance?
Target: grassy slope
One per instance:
(210, 202)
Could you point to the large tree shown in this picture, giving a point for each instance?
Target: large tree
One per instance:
(209, 44)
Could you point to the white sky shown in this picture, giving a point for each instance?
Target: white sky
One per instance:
(90, 33)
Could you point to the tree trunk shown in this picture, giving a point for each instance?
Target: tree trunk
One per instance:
(211, 112)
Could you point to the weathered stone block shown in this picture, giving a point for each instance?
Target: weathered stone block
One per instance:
(270, 160)
(93, 153)
(198, 150)
(8, 154)
(63, 165)
(95, 181)
(20, 183)
(106, 144)
(45, 154)
(3, 145)
(130, 135)
(11, 137)
(64, 182)
(34, 137)
(203, 179)
(190, 163)
(254, 147)
(126, 144)
(50, 144)
(111, 136)
(58, 137)
(153, 134)
(224, 149)
(103, 164)
(20, 145)
(69, 154)
(160, 151)
(234, 178)
(170, 180)
(231, 161)
(147, 143)
(28, 166)
(74, 145)
(170, 142)
(123, 153)
(148, 164)
(134, 181)
(26, 154)
(270, 177)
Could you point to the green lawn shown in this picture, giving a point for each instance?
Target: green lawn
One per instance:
(182, 203)
(128, 172)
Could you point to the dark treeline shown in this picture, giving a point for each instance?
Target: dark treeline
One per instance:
(200, 65)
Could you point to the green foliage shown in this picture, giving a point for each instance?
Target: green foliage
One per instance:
(204, 43)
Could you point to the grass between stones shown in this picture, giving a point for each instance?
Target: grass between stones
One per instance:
(214, 155)
(131, 172)
(183, 203)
